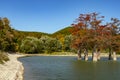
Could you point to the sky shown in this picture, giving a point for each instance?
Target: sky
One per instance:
(50, 16)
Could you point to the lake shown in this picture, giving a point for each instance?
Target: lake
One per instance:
(69, 68)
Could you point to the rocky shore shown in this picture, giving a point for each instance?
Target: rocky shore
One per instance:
(13, 69)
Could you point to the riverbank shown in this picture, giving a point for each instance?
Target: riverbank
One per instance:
(12, 69)
(66, 54)
(27, 55)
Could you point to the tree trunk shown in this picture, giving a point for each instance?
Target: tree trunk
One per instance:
(79, 54)
(98, 54)
(114, 56)
(85, 54)
(94, 54)
(110, 54)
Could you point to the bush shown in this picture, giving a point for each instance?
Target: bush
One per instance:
(67, 43)
(3, 57)
(51, 44)
(118, 52)
(44, 44)
(7, 46)
(31, 45)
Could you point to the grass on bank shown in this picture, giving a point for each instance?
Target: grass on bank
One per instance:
(3, 57)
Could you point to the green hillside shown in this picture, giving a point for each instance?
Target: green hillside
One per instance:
(33, 34)
(12, 40)
(65, 31)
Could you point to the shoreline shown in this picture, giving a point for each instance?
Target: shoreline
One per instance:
(14, 69)
(89, 55)
(27, 55)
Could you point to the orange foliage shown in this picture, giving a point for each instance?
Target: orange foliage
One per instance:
(89, 28)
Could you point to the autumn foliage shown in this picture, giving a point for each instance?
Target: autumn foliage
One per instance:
(91, 34)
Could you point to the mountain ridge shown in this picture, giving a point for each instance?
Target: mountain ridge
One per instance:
(64, 31)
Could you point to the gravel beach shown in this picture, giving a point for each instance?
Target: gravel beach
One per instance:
(12, 69)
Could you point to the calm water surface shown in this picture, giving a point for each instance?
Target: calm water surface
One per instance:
(69, 68)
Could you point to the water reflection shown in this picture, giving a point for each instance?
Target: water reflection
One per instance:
(101, 70)
(69, 68)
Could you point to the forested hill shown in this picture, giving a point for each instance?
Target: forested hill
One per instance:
(22, 41)
(32, 34)
(30, 42)
(63, 32)
(12, 40)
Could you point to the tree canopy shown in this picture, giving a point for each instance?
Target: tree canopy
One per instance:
(90, 33)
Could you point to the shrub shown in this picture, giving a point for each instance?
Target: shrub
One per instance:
(44, 44)
(67, 43)
(31, 45)
(51, 44)
(3, 57)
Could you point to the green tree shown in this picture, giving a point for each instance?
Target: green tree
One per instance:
(51, 44)
(67, 43)
(31, 45)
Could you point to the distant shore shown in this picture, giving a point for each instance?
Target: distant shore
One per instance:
(25, 55)
(71, 54)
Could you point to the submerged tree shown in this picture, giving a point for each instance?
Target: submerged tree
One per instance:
(90, 33)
